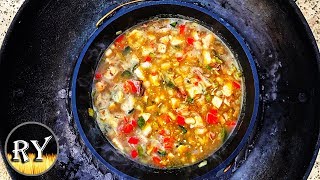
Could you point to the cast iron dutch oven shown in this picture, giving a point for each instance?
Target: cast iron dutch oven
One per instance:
(84, 74)
(51, 51)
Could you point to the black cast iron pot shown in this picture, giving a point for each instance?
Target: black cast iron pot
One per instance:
(45, 40)
(84, 73)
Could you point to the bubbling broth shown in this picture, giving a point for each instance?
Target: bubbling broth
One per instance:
(167, 93)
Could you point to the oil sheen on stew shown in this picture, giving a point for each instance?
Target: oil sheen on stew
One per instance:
(167, 93)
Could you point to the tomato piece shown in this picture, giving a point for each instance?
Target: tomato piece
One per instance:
(156, 159)
(231, 123)
(119, 39)
(168, 146)
(133, 88)
(162, 132)
(236, 85)
(98, 75)
(134, 153)
(155, 149)
(179, 59)
(154, 73)
(166, 118)
(148, 59)
(212, 118)
(213, 111)
(166, 139)
(180, 120)
(126, 88)
(168, 142)
(199, 78)
(128, 128)
(134, 123)
(182, 28)
(190, 41)
(133, 140)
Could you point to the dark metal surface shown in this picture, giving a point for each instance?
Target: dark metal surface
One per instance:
(41, 47)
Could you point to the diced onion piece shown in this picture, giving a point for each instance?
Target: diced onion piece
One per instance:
(175, 41)
(203, 163)
(195, 35)
(145, 116)
(164, 39)
(151, 108)
(165, 66)
(138, 73)
(100, 86)
(174, 103)
(199, 121)
(128, 104)
(111, 72)
(190, 120)
(145, 99)
(197, 45)
(226, 102)
(206, 57)
(170, 155)
(118, 97)
(147, 130)
(146, 84)
(227, 89)
(108, 52)
(154, 80)
(216, 101)
(146, 64)
(151, 37)
(207, 40)
(178, 81)
(172, 116)
(146, 51)
(162, 48)
(117, 143)
(200, 131)
(194, 90)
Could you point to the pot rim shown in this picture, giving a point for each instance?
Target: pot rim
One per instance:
(121, 12)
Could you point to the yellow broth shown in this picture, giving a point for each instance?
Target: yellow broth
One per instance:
(167, 93)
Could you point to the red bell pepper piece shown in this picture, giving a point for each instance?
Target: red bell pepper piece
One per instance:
(213, 111)
(132, 86)
(180, 120)
(190, 41)
(156, 159)
(134, 153)
(182, 28)
(166, 118)
(133, 140)
(168, 142)
(179, 59)
(148, 59)
(231, 123)
(155, 149)
(98, 75)
(128, 128)
(120, 38)
(212, 118)
(134, 123)
(236, 85)
(162, 132)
